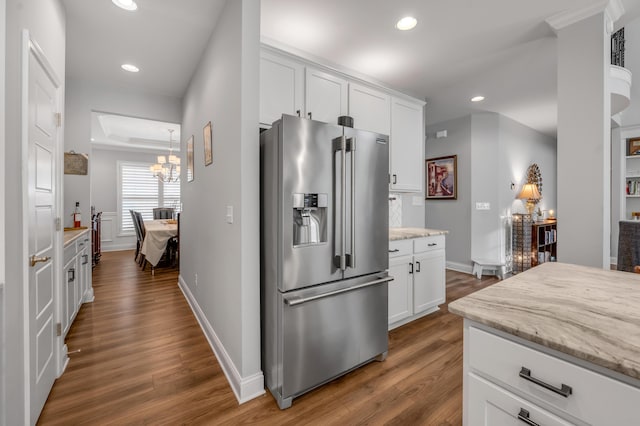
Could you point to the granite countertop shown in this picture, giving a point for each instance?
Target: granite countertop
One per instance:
(591, 314)
(71, 236)
(407, 233)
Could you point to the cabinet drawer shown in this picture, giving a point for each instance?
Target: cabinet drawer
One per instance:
(594, 398)
(492, 405)
(70, 251)
(421, 245)
(400, 248)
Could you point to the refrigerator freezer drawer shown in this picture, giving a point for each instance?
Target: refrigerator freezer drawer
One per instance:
(324, 337)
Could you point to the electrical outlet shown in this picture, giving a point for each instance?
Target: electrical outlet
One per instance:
(483, 206)
(196, 280)
(229, 214)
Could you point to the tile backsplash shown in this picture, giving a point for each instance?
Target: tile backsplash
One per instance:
(395, 210)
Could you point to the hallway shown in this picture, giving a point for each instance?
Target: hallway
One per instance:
(143, 359)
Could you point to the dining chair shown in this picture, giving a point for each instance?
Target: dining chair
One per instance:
(139, 237)
(140, 222)
(163, 213)
(173, 246)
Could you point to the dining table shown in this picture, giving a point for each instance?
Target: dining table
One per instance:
(157, 235)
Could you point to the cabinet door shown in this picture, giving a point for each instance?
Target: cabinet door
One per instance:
(370, 109)
(428, 280)
(491, 405)
(281, 87)
(400, 289)
(84, 266)
(406, 139)
(69, 298)
(325, 96)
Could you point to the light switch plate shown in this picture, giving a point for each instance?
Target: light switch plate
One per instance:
(483, 206)
(229, 214)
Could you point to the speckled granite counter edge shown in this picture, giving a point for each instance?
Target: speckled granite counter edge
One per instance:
(408, 233)
(71, 236)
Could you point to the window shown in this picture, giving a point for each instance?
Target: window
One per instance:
(139, 190)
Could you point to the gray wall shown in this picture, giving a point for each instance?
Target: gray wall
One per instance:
(104, 193)
(584, 143)
(493, 152)
(3, 178)
(82, 98)
(225, 257)
(46, 23)
(453, 215)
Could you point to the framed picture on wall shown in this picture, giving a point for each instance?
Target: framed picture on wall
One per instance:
(634, 146)
(190, 159)
(208, 144)
(442, 178)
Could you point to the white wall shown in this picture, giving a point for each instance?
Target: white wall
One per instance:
(453, 215)
(82, 98)
(584, 143)
(225, 256)
(3, 178)
(104, 190)
(46, 22)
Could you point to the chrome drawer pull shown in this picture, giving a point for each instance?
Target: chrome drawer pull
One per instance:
(523, 416)
(394, 251)
(432, 244)
(564, 390)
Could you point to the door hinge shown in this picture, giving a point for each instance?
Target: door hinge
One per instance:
(58, 224)
(59, 329)
(58, 119)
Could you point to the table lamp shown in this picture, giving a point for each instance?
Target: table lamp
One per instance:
(530, 193)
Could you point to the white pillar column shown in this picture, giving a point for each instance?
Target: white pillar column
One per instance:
(584, 136)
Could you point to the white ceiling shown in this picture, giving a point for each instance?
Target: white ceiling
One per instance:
(111, 131)
(499, 48)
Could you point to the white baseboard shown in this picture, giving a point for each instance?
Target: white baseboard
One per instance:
(244, 388)
(118, 247)
(460, 267)
(614, 261)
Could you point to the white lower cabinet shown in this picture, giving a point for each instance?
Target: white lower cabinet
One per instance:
(76, 279)
(490, 405)
(69, 305)
(418, 270)
(505, 378)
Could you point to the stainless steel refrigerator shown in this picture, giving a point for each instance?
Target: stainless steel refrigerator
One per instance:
(324, 252)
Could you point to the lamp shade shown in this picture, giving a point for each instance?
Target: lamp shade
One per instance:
(529, 192)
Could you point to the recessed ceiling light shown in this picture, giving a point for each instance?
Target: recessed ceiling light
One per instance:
(130, 68)
(477, 99)
(126, 4)
(406, 23)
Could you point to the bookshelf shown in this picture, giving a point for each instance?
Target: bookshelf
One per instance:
(544, 237)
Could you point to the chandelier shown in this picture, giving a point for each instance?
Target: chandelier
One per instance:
(167, 169)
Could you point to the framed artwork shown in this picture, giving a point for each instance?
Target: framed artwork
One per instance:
(634, 146)
(190, 159)
(208, 145)
(442, 178)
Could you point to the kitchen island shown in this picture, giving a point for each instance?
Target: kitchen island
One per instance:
(558, 343)
(417, 264)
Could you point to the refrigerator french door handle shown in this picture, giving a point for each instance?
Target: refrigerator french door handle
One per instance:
(297, 301)
(340, 144)
(351, 257)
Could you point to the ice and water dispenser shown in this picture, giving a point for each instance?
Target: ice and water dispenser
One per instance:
(309, 219)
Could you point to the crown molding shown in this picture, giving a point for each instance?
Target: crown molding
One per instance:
(613, 10)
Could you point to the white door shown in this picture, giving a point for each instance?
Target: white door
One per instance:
(407, 143)
(428, 280)
(400, 289)
(42, 146)
(281, 88)
(370, 109)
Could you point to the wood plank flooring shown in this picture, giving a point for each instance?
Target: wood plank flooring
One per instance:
(144, 360)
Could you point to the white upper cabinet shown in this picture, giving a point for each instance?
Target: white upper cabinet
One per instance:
(325, 96)
(407, 140)
(281, 87)
(370, 109)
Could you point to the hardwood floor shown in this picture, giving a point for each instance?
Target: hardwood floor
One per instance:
(142, 359)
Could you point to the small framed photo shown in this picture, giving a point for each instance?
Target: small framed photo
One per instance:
(190, 159)
(208, 145)
(442, 178)
(634, 146)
